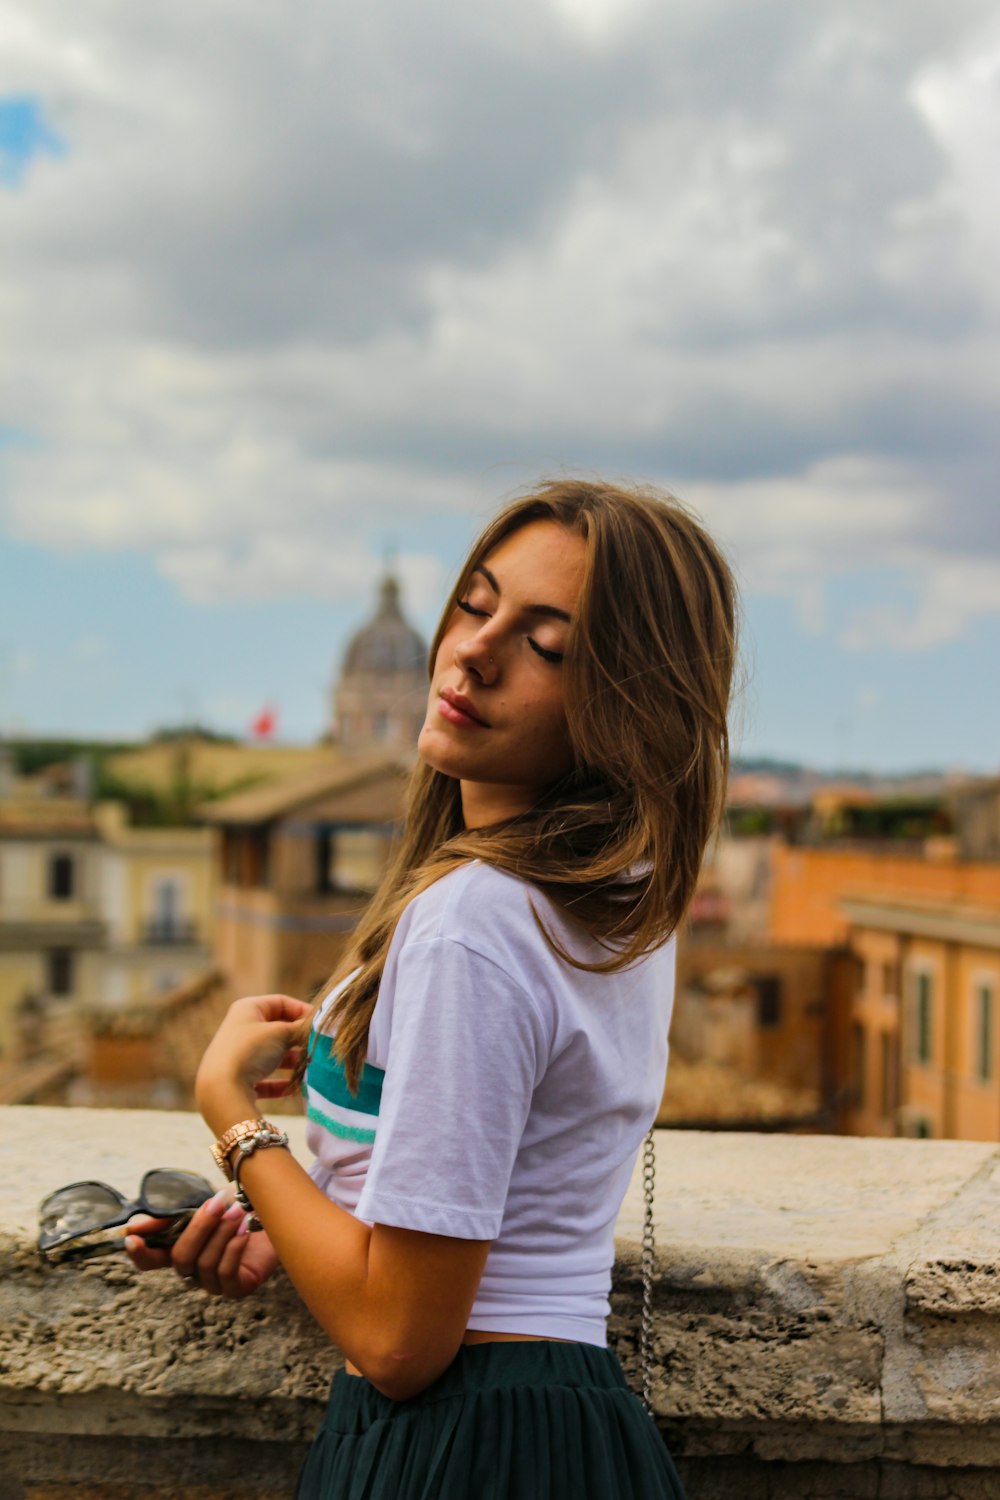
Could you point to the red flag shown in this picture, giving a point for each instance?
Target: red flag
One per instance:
(265, 723)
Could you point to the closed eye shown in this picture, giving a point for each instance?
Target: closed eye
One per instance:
(543, 651)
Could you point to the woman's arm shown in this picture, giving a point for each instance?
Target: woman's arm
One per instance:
(395, 1301)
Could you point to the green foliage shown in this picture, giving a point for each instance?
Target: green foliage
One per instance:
(744, 822)
(151, 807)
(31, 756)
(170, 732)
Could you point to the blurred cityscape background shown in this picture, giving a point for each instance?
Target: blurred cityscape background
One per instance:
(839, 969)
(286, 313)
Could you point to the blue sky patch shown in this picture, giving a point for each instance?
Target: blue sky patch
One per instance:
(24, 134)
(13, 437)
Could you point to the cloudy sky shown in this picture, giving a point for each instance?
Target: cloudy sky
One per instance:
(281, 289)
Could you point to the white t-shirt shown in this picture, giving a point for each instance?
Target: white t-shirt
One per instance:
(505, 1097)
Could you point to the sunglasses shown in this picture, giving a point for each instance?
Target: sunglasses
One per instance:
(83, 1208)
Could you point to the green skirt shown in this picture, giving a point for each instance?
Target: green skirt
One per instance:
(536, 1420)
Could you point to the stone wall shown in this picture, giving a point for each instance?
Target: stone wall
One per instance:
(827, 1317)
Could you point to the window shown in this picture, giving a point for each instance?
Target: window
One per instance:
(165, 924)
(60, 967)
(889, 1069)
(922, 1129)
(858, 1049)
(923, 1041)
(357, 857)
(61, 877)
(985, 1009)
(324, 861)
(768, 987)
(167, 902)
(248, 864)
(890, 979)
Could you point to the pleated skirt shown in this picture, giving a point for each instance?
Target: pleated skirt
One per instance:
(536, 1420)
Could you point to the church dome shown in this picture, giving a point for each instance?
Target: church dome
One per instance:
(387, 646)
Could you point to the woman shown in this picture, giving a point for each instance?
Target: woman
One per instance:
(493, 1048)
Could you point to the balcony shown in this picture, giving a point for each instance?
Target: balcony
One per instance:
(26, 926)
(170, 932)
(827, 1325)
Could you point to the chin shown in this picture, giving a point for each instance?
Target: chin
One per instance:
(435, 751)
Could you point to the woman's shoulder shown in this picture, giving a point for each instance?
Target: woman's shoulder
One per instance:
(495, 914)
(469, 900)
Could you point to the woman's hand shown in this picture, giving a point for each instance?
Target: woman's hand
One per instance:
(213, 1253)
(254, 1039)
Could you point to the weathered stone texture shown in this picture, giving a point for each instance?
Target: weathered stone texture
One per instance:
(827, 1326)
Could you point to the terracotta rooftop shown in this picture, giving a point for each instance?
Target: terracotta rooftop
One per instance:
(46, 817)
(368, 791)
(933, 917)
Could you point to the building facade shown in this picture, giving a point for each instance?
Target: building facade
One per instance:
(809, 884)
(297, 862)
(94, 913)
(925, 1043)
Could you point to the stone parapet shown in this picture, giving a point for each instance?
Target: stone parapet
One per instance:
(827, 1324)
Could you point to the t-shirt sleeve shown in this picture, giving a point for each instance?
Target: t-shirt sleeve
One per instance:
(466, 1049)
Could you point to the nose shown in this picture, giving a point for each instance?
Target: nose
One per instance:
(473, 656)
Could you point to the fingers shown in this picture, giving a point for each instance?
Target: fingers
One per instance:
(191, 1244)
(209, 1252)
(139, 1253)
(197, 1255)
(274, 1088)
(231, 1283)
(277, 1007)
(209, 1272)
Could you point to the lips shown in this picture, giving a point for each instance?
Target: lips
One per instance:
(462, 709)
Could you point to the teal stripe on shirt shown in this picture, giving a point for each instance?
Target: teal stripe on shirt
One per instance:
(337, 1127)
(325, 1074)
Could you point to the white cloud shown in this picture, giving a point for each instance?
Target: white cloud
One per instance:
(599, 22)
(313, 286)
(959, 98)
(790, 533)
(952, 595)
(272, 565)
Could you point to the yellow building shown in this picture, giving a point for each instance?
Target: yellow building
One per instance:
(157, 896)
(51, 931)
(94, 913)
(924, 1040)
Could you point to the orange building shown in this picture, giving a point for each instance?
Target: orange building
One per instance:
(772, 1013)
(809, 885)
(920, 1043)
(924, 1041)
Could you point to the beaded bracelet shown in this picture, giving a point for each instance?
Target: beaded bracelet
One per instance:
(246, 1146)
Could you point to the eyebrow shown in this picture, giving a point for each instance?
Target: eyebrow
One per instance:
(547, 611)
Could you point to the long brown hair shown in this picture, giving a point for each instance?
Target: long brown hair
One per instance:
(618, 843)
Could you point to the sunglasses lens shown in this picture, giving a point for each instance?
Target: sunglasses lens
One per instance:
(74, 1210)
(169, 1192)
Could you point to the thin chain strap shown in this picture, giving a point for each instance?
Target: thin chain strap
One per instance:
(648, 1266)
